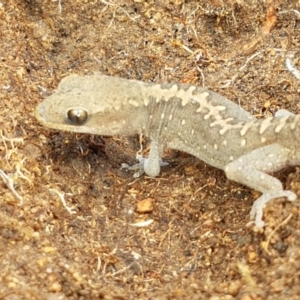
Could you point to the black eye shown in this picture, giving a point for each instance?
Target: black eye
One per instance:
(77, 116)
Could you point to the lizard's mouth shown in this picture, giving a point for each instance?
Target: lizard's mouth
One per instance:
(51, 119)
(39, 112)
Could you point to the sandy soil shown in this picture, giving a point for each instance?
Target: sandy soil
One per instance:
(66, 225)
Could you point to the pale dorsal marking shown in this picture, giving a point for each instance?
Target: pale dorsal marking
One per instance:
(293, 125)
(265, 124)
(246, 127)
(133, 103)
(282, 123)
(214, 111)
(145, 98)
(221, 122)
(230, 126)
(186, 96)
(205, 104)
(295, 121)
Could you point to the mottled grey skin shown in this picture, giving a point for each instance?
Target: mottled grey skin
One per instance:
(183, 117)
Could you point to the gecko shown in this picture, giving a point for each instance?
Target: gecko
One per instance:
(184, 117)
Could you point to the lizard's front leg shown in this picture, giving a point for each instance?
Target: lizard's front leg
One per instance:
(151, 165)
(251, 170)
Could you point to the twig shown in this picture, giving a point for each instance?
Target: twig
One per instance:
(116, 7)
(291, 10)
(230, 81)
(273, 232)
(70, 210)
(292, 68)
(10, 185)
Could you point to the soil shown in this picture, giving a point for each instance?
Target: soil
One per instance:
(73, 224)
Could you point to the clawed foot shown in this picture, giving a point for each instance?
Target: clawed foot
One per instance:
(139, 167)
(256, 212)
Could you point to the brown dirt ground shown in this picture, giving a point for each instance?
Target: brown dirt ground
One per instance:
(198, 245)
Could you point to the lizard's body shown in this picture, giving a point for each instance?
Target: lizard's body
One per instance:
(183, 117)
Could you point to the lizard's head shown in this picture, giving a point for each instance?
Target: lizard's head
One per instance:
(95, 104)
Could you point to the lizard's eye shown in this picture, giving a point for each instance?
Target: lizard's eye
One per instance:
(77, 116)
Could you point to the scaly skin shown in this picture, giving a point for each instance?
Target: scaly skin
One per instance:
(183, 117)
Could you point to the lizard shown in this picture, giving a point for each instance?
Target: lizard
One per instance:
(184, 117)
